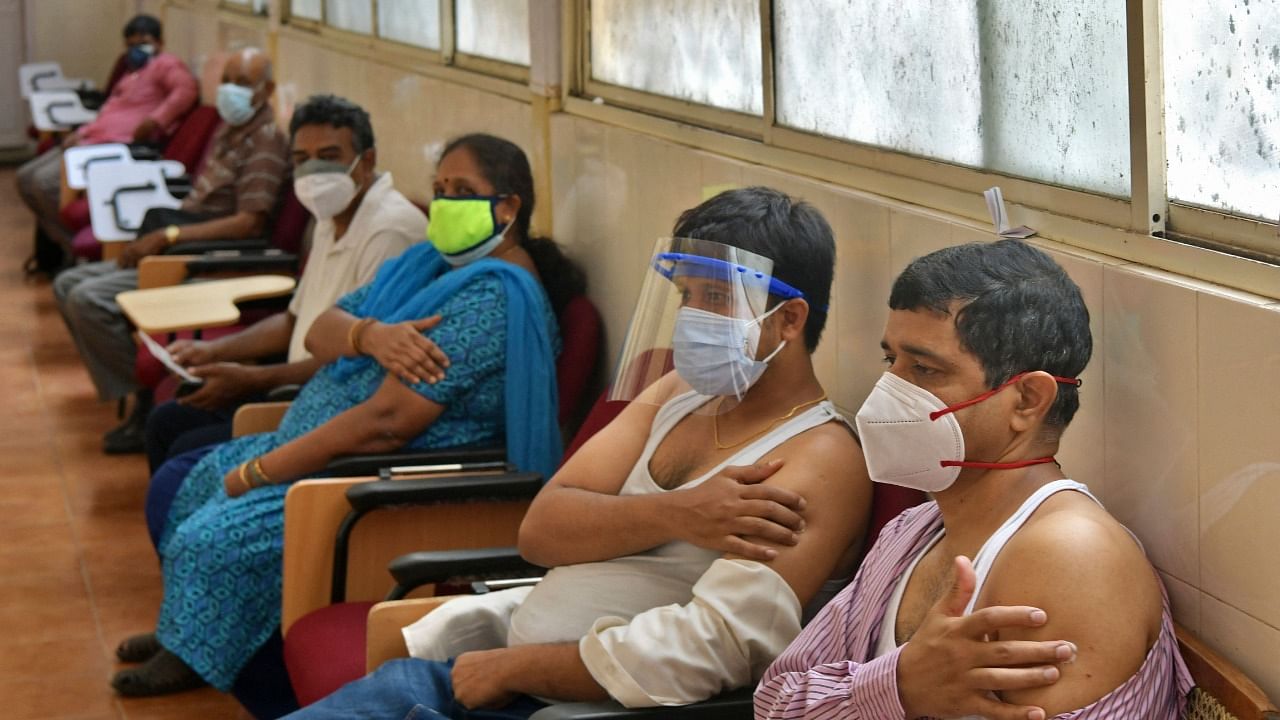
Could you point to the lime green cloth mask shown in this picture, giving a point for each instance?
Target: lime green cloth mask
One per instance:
(464, 229)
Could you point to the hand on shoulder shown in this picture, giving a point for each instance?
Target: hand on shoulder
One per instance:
(1091, 577)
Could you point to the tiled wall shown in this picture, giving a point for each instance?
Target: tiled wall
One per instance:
(1179, 432)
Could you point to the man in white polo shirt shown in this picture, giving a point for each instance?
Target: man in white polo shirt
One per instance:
(361, 221)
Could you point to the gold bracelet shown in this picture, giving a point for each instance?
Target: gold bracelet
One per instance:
(262, 474)
(247, 485)
(353, 335)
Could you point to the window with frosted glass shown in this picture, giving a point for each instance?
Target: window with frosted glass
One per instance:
(703, 51)
(497, 29)
(1038, 90)
(306, 9)
(415, 22)
(353, 15)
(1222, 104)
(259, 7)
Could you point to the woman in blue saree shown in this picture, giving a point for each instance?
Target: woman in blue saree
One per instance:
(452, 344)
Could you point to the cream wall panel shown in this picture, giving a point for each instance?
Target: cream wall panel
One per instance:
(83, 37)
(1239, 410)
(413, 115)
(1252, 645)
(1081, 453)
(1150, 410)
(1184, 600)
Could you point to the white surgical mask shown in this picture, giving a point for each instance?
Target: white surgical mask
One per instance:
(324, 187)
(912, 439)
(716, 354)
(235, 103)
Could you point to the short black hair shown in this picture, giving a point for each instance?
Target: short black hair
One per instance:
(791, 233)
(1021, 312)
(142, 25)
(335, 112)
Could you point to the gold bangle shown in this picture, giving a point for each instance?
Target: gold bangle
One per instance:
(247, 485)
(261, 474)
(357, 329)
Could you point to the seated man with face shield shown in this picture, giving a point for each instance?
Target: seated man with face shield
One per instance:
(687, 535)
(361, 221)
(232, 198)
(1058, 614)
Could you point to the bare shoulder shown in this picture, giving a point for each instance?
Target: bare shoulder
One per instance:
(821, 455)
(1081, 566)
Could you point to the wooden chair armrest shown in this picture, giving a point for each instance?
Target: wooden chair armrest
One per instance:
(257, 418)
(163, 270)
(384, 640)
(1223, 681)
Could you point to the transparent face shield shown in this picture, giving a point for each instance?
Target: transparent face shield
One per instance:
(700, 313)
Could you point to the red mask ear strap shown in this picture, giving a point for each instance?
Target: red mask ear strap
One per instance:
(974, 401)
(995, 465)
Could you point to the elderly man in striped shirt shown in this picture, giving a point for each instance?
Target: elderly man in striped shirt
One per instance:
(232, 198)
(1058, 614)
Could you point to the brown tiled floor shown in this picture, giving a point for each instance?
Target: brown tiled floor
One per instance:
(77, 573)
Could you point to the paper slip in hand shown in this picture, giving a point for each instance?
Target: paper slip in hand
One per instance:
(166, 359)
(1000, 219)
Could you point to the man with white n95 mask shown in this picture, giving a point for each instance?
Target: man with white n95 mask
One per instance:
(361, 220)
(685, 538)
(1013, 596)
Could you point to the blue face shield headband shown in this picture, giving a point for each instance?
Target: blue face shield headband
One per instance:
(701, 266)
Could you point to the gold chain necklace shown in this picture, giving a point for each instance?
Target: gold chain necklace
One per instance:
(715, 423)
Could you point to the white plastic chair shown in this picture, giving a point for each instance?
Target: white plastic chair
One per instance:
(121, 193)
(57, 110)
(34, 77)
(78, 159)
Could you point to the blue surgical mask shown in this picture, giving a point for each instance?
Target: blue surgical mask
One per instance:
(137, 56)
(235, 103)
(716, 354)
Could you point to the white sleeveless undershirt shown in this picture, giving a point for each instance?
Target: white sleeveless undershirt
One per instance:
(982, 562)
(570, 598)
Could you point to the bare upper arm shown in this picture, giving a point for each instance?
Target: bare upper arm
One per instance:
(400, 410)
(825, 466)
(1099, 592)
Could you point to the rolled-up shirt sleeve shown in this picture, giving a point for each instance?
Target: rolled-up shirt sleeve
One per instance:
(830, 690)
(741, 616)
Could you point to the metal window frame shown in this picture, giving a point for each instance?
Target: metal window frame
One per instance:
(1135, 225)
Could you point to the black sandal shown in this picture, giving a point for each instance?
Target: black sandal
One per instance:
(163, 674)
(138, 648)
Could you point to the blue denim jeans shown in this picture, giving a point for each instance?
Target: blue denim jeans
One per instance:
(407, 689)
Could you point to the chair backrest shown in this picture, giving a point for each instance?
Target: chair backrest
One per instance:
(290, 221)
(581, 335)
(1222, 692)
(190, 142)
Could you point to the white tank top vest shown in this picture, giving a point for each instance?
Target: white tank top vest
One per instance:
(982, 562)
(562, 607)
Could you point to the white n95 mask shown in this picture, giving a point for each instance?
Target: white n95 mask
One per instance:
(324, 187)
(912, 439)
(716, 354)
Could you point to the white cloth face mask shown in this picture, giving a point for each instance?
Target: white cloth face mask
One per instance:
(325, 192)
(716, 354)
(901, 443)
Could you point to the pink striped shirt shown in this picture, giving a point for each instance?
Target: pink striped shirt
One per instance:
(827, 672)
